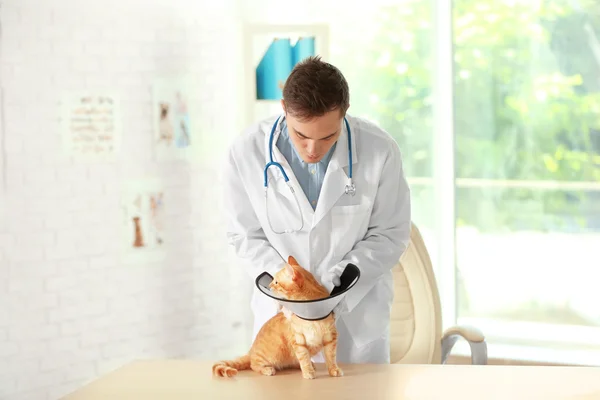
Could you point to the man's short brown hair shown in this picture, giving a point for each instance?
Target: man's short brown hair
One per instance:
(315, 88)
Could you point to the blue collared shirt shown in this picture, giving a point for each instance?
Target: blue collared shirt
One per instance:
(310, 176)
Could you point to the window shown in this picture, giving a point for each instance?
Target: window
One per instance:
(527, 123)
(387, 60)
(525, 162)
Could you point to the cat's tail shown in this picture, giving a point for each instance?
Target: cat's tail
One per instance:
(229, 369)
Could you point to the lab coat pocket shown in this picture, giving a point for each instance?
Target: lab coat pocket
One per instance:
(349, 225)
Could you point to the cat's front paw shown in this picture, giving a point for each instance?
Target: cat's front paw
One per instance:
(268, 371)
(309, 373)
(335, 371)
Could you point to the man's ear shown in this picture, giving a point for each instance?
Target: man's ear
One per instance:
(283, 106)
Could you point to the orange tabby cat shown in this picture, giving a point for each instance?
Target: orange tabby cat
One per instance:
(285, 340)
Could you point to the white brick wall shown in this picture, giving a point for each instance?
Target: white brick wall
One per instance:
(70, 307)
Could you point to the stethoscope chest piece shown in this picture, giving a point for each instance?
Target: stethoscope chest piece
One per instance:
(350, 189)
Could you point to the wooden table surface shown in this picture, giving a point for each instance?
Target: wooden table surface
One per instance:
(187, 380)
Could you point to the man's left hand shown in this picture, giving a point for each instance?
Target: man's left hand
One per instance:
(331, 280)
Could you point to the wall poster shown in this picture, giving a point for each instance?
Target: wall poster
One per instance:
(175, 134)
(143, 221)
(91, 126)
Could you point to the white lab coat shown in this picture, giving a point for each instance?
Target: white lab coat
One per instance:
(370, 229)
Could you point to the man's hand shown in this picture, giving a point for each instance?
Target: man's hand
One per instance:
(331, 279)
(334, 279)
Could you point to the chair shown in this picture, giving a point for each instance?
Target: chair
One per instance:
(416, 322)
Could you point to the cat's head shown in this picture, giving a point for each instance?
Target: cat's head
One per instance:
(296, 283)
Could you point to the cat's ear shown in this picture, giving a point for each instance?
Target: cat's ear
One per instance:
(292, 261)
(289, 270)
(292, 273)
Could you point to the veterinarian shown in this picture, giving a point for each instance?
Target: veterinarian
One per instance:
(328, 189)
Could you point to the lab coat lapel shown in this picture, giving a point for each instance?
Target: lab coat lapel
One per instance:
(336, 177)
(307, 210)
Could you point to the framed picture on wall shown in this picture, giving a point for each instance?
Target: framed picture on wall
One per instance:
(91, 125)
(175, 119)
(270, 53)
(143, 220)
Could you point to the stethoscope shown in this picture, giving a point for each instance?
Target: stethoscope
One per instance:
(350, 188)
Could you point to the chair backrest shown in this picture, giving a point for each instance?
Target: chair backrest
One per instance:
(416, 320)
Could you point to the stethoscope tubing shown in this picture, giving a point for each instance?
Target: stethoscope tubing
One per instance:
(350, 188)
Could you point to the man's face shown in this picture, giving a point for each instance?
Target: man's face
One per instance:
(314, 138)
